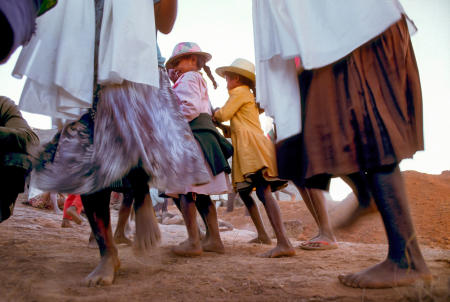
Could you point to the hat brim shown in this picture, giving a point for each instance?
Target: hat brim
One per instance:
(243, 72)
(169, 63)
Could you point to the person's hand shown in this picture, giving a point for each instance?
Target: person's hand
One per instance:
(173, 75)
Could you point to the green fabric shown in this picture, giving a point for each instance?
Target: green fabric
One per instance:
(46, 5)
(15, 136)
(216, 148)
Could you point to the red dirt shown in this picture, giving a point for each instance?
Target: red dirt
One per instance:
(40, 261)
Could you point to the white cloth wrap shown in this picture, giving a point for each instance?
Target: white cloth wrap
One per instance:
(59, 60)
(320, 32)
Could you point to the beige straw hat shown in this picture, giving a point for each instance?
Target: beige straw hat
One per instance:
(240, 66)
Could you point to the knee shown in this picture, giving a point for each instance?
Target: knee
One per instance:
(246, 198)
(261, 193)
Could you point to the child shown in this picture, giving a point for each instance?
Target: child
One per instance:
(72, 209)
(361, 110)
(254, 163)
(187, 59)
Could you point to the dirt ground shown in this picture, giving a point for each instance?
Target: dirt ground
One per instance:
(40, 261)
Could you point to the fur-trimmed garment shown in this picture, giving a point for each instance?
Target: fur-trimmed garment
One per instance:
(136, 125)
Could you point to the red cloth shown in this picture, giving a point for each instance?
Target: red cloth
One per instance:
(72, 200)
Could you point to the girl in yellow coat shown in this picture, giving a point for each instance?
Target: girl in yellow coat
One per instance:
(254, 162)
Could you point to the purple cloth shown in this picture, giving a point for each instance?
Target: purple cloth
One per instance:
(17, 19)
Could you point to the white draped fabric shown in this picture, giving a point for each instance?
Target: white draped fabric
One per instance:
(59, 60)
(320, 32)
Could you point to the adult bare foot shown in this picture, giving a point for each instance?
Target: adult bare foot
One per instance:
(148, 235)
(187, 249)
(279, 251)
(383, 275)
(261, 240)
(66, 223)
(105, 271)
(72, 212)
(213, 246)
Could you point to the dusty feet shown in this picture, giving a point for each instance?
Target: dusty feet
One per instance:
(279, 251)
(320, 242)
(121, 238)
(383, 275)
(72, 212)
(215, 246)
(261, 240)
(148, 235)
(105, 272)
(187, 249)
(66, 223)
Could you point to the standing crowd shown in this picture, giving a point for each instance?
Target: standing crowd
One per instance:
(345, 99)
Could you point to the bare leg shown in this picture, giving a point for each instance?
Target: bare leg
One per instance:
(292, 195)
(203, 210)
(54, 200)
(124, 214)
(253, 210)
(316, 204)
(350, 211)
(97, 210)
(212, 242)
(201, 235)
(284, 247)
(404, 263)
(192, 246)
(230, 201)
(148, 234)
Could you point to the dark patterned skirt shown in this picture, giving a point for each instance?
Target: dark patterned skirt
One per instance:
(135, 126)
(360, 113)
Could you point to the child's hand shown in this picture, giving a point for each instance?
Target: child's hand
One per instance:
(173, 75)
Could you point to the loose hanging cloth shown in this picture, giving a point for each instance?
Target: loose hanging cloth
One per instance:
(320, 32)
(58, 61)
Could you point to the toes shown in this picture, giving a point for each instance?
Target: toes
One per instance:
(347, 279)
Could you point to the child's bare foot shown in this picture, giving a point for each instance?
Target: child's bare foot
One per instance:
(213, 246)
(72, 212)
(187, 249)
(384, 274)
(261, 240)
(279, 251)
(66, 223)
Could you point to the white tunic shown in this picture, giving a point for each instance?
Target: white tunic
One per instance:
(59, 60)
(320, 32)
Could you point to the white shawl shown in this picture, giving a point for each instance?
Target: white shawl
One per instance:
(320, 32)
(59, 60)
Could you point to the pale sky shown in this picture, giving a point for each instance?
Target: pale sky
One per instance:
(224, 29)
